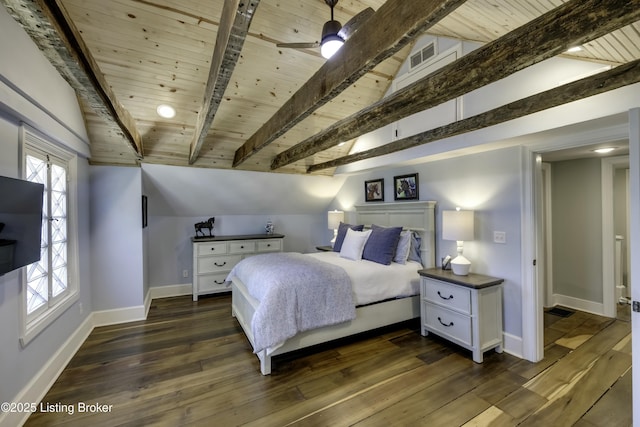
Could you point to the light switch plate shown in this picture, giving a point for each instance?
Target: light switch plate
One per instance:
(499, 237)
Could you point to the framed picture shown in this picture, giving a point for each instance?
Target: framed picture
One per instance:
(144, 211)
(405, 187)
(374, 190)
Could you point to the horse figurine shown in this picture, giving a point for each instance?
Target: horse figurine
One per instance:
(208, 224)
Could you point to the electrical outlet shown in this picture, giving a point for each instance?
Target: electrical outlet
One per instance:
(636, 306)
(499, 237)
(185, 273)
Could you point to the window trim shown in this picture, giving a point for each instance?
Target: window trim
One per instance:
(30, 328)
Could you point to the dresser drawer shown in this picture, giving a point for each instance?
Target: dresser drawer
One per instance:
(212, 282)
(217, 263)
(243, 247)
(270, 245)
(213, 248)
(448, 323)
(451, 296)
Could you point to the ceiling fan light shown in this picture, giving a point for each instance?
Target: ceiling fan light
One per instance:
(330, 47)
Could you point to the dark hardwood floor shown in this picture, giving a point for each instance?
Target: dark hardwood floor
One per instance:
(190, 364)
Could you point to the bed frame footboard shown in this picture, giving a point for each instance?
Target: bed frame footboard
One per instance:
(367, 318)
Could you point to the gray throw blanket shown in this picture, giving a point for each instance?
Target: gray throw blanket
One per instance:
(296, 293)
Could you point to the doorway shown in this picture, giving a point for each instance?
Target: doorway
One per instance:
(582, 268)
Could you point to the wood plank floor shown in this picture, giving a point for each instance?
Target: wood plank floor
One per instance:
(190, 364)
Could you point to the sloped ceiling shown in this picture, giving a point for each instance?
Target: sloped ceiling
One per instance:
(142, 53)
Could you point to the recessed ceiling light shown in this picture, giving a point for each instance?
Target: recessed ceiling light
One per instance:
(574, 49)
(166, 111)
(604, 150)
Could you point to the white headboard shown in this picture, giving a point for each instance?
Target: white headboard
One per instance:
(415, 216)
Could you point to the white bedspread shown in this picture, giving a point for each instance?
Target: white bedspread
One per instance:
(373, 282)
(296, 293)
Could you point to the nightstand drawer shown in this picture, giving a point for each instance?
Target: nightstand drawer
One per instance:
(212, 282)
(212, 248)
(270, 245)
(451, 296)
(217, 263)
(448, 323)
(242, 247)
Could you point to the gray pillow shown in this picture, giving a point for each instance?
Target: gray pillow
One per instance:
(414, 252)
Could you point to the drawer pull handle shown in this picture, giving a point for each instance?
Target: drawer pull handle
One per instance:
(444, 324)
(220, 265)
(219, 282)
(440, 295)
(241, 247)
(213, 249)
(268, 245)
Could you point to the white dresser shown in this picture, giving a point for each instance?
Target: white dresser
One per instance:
(466, 310)
(214, 257)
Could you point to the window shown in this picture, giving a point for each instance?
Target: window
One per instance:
(48, 285)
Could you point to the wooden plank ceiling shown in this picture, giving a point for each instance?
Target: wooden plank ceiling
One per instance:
(257, 101)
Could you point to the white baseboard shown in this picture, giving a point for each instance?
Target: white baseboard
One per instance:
(119, 315)
(512, 345)
(579, 304)
(170, 291)
(40, 384)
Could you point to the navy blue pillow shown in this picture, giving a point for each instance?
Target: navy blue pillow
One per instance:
(342, 232)
(381, 245)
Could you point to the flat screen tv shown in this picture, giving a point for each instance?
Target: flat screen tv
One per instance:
(20, 223)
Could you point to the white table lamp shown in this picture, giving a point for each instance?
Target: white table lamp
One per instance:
(458, 225)
(334, 218)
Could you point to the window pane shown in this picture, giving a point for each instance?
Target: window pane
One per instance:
(36, 170)
(59, 282)
(49, 275)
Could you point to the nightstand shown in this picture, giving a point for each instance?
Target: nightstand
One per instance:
(466, 310)
(324, 248)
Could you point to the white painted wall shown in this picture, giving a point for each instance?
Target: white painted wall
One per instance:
(33, 92)
(634, 232)
(526, 130)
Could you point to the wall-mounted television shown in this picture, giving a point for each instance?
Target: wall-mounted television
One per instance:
(20, 223)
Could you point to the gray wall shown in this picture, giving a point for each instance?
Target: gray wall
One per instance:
(241, 202)
(488, 183)
(116, 238)
(577, 229)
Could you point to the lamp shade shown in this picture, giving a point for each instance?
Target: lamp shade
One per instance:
(334, 219)
(457, 225)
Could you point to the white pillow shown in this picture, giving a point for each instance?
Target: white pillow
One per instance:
(353, 244)
(402, 250)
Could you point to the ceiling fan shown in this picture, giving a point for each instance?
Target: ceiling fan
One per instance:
(334, 34)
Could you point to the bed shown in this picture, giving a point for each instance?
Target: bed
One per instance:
(419, 218)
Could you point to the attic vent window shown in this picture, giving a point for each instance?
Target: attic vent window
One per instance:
(423, 55)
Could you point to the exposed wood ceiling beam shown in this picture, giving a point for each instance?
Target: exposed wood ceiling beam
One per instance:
(393, 26)
(232, 32)
(618, 77)
(572, 23)
(51, 29)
